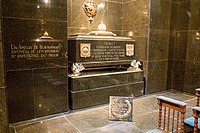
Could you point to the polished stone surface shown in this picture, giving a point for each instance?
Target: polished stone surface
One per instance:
(178, 74)
(100, 81)
(55, 125)
(30, 29)
(36, 71)
(158, 45)
(141, 48)
(3, 111)
(82, 99)
(180, 46)
(109, 12)
(138, 12)
(95, 120)
(185, 74)
(30, 9)
(160, 14)
(182, 15)
(192, 76)
(95, 90)
(36, 93)
(157, 76)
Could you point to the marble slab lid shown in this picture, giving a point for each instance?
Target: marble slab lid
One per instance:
(93, 37)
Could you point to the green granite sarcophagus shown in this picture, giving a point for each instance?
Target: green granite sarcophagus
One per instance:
(100, 66)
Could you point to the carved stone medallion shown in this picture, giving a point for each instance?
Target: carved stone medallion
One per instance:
(120, 108)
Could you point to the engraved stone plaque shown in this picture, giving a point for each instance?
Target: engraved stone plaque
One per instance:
(129, 49)
(85, 49)
(120, 108)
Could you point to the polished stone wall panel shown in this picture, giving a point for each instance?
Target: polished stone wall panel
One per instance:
(178, 75)
(30, 29)
(114, 16)
(2, 77)
(109, 12)
(138, 12)
(170, 74)
(50, 91)
(180, 46)
(157, 76)
(160, 14)
(23, 21)
(81, 99)
(183, 16)
(92, 82)
(158, 45)
(173, 19)
(4, 124)
(20, 95)
(193, 46)
(194, 15)
(3, 111)
(141, 48)
(79, 19)
(31, 9)
(37, 93)
(192, 76)
(186, 48)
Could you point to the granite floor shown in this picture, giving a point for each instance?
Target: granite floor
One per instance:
(95, 119)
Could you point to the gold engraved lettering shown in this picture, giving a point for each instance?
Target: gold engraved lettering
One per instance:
(108, 51)
(34, 51)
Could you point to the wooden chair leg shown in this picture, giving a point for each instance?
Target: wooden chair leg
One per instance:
(195, 124)
(159, 116)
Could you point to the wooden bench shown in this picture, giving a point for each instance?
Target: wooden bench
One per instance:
(170, 123)
(196, 115)
(194, 122)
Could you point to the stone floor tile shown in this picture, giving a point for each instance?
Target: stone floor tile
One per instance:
(181, 96)
(139, 110)
(147, 122)
(119, 127)
(149, 102)
(57, 125)
(89, 119)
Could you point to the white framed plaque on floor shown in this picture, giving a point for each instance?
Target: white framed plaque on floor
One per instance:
(120, 108)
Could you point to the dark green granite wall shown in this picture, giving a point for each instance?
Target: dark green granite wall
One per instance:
(36, 71)
(184, 48)
(135, 24)
(135, 17)
(158, 45)
(3, 105)
(109, 12)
